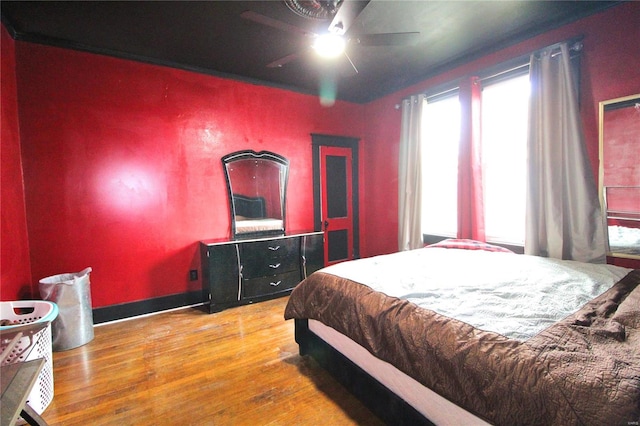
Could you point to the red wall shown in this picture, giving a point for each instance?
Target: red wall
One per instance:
(122, 164)
(121, 160)
(15, 268)
(610, 68)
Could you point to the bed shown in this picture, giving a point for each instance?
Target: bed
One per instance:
(624, 239)
(251, 216)
(622, 212)
(520, 339)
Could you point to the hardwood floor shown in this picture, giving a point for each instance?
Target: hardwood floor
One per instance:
(186, 367)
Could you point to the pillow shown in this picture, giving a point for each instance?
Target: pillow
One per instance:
(469, 245)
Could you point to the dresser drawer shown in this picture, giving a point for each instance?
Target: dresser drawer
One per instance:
(266, 258)
(273, 249)
(268, 267)
(264, 286)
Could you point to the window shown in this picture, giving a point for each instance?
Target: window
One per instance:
(503, 122)
(505, 109)
(440, 140)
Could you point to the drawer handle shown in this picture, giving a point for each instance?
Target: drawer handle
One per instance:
(274, 248)
(272, 284)
(276, 266)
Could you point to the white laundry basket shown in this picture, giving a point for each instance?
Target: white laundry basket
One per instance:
(21, 313)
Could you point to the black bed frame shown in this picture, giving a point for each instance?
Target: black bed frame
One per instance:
(389, 407)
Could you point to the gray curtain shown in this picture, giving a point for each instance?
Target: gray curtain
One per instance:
(563, 218)
(410, 175)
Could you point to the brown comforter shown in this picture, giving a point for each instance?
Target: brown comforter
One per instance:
(584, 369)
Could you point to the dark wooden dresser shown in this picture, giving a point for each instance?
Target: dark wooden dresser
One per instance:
(251, 270)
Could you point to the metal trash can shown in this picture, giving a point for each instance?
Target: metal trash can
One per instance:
(72, 293)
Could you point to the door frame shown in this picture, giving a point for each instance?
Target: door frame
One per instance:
(318, 140)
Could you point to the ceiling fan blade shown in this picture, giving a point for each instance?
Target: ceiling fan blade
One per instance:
(346, 15)
(353, 66)
(274, 23)
(278, 63)
(386, 39)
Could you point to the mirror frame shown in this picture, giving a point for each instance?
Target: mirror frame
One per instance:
(603, 106)
(283, 178)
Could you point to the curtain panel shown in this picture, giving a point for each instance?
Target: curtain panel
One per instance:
(410, 174)
(563, 218)
(470, 195)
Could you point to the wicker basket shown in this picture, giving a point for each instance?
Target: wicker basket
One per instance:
(31, 347)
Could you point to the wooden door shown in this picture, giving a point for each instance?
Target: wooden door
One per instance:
(336, 189)
(335, 195)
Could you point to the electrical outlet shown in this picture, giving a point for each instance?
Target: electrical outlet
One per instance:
(193, 275)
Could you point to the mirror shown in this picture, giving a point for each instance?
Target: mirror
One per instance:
(257, 185)
(620, 175)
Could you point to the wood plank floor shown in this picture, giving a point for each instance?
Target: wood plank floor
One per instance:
(185, 367)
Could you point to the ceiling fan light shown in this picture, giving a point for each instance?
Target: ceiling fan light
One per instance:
(329, 45)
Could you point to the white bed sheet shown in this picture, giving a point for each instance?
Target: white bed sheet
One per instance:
(511, 294)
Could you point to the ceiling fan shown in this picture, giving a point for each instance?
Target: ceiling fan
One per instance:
(333, 43)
